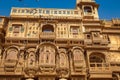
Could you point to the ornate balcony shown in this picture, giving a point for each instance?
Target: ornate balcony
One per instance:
(99, 67)
(47, 35)
(100, 70)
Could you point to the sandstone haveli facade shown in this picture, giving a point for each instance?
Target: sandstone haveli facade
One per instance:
(59, 44)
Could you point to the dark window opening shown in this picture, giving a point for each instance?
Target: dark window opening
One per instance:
(47, 28)
(88, 36)
(87, 10)
(97, 58)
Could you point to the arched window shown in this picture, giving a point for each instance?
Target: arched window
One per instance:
(48, 28)
(77, 55)
(87, 10)
(97, 58)
(12, 54)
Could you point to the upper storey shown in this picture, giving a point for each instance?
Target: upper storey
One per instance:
(85, 9)
(42, 12)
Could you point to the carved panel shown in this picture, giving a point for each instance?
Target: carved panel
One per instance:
(11, 54)
(31, 57)
(10, 59)
(47, 58)
(47, 55)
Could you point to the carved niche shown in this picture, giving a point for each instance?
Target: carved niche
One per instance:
(78, 59)
(31, 57)
(31, 62)
(47, 57)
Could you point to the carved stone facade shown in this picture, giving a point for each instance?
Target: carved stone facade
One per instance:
(59, 44)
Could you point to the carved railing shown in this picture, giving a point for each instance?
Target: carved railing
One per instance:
(48, 35)
(99, 67)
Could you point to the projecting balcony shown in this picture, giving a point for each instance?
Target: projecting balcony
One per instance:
(99, 67)
(96, 40)
(100, 70)
(47, 35)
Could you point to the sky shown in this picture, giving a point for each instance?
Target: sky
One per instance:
(108, 9)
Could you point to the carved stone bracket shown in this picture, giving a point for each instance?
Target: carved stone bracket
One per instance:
(31, 72)
(63, 72)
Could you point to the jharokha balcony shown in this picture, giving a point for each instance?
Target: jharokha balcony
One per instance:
(48, 32)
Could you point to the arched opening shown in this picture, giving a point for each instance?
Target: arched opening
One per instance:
(48, 28)
(87, 10)
(97, 60)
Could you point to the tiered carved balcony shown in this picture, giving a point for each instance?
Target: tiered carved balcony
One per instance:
(47, 35)
(100, 70)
